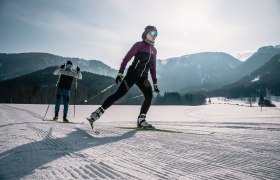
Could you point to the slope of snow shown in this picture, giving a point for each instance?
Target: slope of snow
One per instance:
(221, 141)
(256, 79)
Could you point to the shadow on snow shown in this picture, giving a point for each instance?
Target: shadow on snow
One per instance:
(23, 160)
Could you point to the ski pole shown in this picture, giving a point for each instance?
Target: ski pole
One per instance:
(104, 90)
(75, 98)
(51, 97)
(140, 95)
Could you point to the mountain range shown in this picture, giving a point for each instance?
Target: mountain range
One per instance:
(204, 71)
(14, 65)
(264, 80)
(209, 70)
(195, 71)
(259, 58)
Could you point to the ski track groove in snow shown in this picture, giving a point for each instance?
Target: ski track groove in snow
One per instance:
(87, 173)
(138, 156)
(239, 150)
(103, 173)
(120, 162)
(80, 173)
(72, 172)
(108, 169)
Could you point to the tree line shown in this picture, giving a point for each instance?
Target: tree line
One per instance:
(40, 88)
(174, 98)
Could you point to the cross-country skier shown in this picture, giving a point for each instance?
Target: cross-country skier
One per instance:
(144, 61)
(66, 74)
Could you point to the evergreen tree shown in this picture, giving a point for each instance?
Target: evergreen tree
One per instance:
(261, 100)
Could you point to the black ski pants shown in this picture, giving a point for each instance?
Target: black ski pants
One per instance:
(130, 79)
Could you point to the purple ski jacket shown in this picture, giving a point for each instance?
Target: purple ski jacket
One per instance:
(144, 60)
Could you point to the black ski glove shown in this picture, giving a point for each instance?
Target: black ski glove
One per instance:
(62, 66)
(78, 69)
(119, 78)
(156, 88)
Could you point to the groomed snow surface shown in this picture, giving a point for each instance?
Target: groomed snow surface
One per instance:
(224, 140)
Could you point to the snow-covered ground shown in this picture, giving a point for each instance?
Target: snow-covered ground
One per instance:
(221, 141)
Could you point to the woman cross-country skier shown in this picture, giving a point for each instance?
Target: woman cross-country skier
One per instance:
(144, 61)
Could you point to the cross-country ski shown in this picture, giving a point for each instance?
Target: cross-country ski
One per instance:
(166, 130)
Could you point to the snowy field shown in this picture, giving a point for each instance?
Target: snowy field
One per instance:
(221, 141)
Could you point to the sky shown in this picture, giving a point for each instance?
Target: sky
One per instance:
(106, 29)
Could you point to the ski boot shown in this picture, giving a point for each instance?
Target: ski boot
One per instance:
(65, 120)
(55, 116)
(142, 123)
(95, 115)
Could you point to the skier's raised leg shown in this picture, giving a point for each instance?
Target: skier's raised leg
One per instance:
(97, 114)
(125, 85)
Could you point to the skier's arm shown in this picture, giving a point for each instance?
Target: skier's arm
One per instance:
(58, 71)
(153, 69)
(77, 74)
(128, 56)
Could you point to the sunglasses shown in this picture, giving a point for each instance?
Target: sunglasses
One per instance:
(68, 65)
(153, 33)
